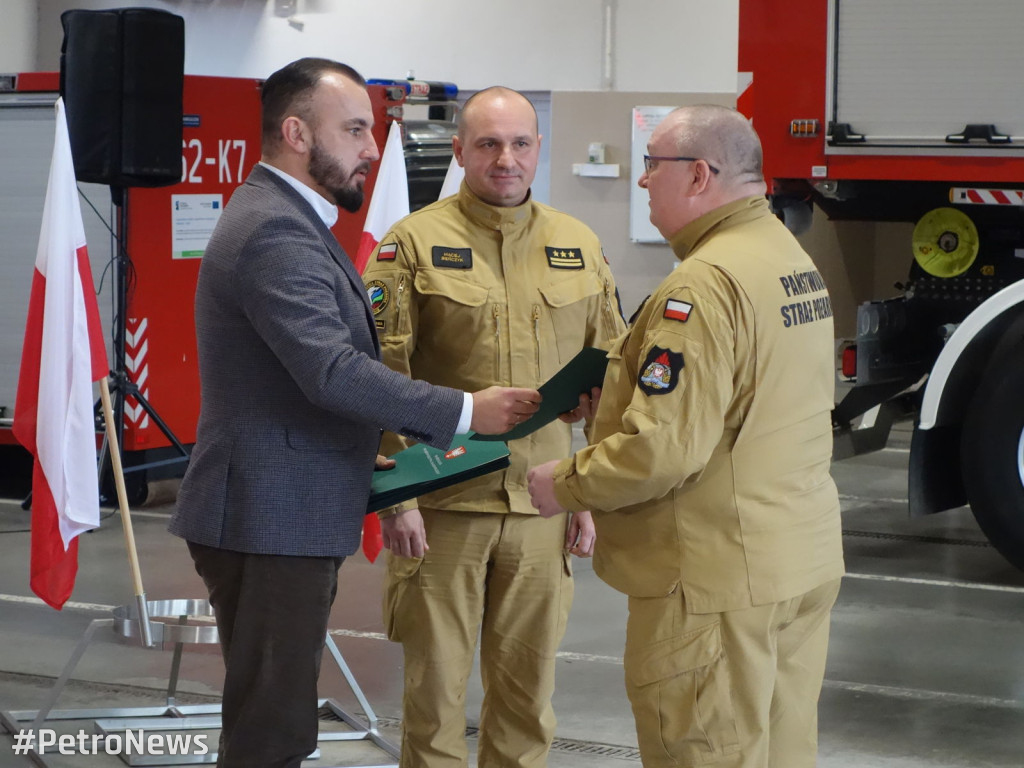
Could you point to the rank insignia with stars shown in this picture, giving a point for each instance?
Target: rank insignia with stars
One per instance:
(564, 258)
(660, 372)
(379, 295)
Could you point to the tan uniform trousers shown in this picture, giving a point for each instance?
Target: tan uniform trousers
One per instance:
(506, 578)
(735, 690)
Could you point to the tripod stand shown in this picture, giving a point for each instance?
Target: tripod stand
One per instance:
(121, 384)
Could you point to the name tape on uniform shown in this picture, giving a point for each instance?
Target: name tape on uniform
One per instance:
(452, 258)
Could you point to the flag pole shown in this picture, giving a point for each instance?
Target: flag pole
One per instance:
(126, 516)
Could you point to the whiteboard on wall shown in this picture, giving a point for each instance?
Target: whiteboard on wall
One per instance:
(645, 120)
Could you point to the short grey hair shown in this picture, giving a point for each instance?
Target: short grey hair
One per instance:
(721, 136)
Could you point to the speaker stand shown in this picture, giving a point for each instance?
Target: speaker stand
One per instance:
(121, 386)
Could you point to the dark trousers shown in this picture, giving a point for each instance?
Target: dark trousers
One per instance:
(272, 614)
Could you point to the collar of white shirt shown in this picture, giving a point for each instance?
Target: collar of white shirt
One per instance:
(325, 209)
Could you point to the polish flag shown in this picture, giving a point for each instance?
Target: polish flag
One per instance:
(678, 310)
(390, 200)
(62, 356)
(452, 179)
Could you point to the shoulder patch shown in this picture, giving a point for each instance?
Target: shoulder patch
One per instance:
(564, 258)
(677, 310)
(387, 252)
(452, 258)
(660, 372)
(379, 295)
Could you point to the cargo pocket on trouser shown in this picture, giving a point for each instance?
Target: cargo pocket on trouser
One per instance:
(400, 571)
(679, 689)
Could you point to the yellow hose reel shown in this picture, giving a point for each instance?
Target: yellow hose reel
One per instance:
(945, 242)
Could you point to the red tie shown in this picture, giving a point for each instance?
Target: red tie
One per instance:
(373, 541)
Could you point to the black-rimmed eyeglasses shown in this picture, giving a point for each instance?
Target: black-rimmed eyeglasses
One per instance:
(651, 162)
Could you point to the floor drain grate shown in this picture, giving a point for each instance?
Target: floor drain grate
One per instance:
(571, 746)
(595, 749)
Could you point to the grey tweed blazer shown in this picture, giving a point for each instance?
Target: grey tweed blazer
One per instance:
(293, 394)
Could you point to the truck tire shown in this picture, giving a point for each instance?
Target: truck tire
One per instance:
(992, 453)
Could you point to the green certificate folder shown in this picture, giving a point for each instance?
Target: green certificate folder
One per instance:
(421, 469)
(561, 392)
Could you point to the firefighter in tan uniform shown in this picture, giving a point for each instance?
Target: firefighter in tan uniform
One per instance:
(486, 286)
(708, 468)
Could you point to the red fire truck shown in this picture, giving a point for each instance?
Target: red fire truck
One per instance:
(163, 236)
(902, 111)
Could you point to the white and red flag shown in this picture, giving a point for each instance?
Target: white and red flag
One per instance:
(63, 355)
(389, 203)
(678, 310)
(390, 199)
(452, 179)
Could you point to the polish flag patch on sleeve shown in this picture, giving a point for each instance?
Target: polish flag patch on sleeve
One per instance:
(387, 252)
(677, 310)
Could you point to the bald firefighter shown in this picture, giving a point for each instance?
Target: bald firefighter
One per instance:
(708, 470)
(487, 285)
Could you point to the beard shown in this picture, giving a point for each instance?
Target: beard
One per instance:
(336, 179)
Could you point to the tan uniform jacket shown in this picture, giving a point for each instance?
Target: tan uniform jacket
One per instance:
(470, 295)
(709, 462)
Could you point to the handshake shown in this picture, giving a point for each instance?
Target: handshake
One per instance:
(496, 410)
(499, 409)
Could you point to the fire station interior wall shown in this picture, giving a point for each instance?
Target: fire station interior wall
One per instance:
(18, 34)
(688, 45)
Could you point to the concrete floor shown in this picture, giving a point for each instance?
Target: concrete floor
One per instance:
(926, 665)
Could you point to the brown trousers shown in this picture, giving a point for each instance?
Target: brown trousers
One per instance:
(506, 577)
(272, 614)
(735, 690)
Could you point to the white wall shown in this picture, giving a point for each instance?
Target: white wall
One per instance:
(18, 36)
(658, 45)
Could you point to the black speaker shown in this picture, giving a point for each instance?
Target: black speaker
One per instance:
(121, 76)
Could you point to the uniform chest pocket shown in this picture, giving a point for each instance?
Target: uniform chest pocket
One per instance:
(457, 328)
(453, 288)
(570, 304)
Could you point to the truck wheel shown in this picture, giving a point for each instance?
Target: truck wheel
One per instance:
(992, 454)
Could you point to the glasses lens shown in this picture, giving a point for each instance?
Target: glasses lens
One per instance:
(648, 164)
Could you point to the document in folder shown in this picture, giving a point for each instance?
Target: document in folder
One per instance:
(421, 469)
(561, 392)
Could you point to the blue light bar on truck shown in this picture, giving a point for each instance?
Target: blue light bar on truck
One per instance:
(429, 90)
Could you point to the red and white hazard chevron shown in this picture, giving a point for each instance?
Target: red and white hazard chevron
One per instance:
(977, 196)
(136, 363)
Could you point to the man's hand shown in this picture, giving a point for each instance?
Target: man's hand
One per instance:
(383, 463)
(404, 533)
(585, 410)
(497, 409)
(540, 480)
(581, 534)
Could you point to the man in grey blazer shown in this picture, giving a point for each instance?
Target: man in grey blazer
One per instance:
(294, 399)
